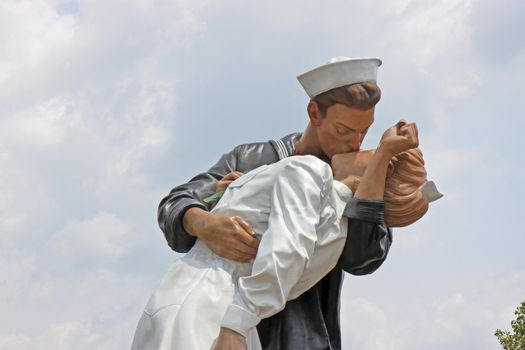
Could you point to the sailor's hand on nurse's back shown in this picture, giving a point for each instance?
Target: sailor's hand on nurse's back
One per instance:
(230, 237)
(223, 183)
(399, 138)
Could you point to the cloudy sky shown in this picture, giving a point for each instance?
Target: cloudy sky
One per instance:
(106, 105)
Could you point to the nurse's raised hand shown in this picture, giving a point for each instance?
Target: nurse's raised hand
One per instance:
(399, 138)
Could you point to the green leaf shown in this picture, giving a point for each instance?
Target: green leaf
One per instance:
(514, 340)
(214, 197)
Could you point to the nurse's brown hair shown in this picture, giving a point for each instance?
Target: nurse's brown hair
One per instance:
(404, 201)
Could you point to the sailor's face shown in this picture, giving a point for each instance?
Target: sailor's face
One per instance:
(343, 129)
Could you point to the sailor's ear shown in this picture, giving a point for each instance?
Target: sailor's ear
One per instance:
(314, 113)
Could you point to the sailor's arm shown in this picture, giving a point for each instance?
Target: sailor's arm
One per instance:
(183, 216)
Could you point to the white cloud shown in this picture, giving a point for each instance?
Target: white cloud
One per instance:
(74, 121)
(44, 124)
(413, 238)
(24, 198)
(69, 335)
(33, 35)
(49, 54)
(17, 268)
(499, 35)
(103, 234)
(448, 164)
(360, 314)
(97, 310)
(13, 341)
(88, 97)
(435, 38)
(452, 319)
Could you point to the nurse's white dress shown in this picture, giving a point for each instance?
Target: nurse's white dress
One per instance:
(296, 207)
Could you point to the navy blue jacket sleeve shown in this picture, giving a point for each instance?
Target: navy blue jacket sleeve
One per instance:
(191, 194)
(368, 240)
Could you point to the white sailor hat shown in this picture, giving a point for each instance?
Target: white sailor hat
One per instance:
(337, 72)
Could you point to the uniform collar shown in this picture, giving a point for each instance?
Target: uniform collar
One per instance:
(285, 146)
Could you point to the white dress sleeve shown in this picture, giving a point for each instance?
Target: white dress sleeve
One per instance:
(298, 201)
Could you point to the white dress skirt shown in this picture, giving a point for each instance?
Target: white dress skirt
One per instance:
(186, 310)
(296, 207)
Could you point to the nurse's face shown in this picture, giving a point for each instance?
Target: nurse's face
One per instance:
(342, 129)
(351, 164)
